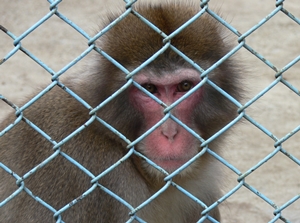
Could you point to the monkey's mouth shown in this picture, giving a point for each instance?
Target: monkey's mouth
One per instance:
(170, 164)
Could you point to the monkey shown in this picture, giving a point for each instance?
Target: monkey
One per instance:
(132, 112)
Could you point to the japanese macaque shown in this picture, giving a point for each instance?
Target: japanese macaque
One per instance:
(169, 77)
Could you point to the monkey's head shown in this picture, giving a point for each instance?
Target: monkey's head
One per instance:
(169, 77)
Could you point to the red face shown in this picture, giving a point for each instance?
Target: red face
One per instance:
(170, 145)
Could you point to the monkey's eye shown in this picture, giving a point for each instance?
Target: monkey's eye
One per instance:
(184, 86)
(150, 87)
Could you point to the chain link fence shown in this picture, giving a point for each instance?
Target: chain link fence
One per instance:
(278, 209)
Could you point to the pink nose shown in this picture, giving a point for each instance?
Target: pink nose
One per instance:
(169, 129)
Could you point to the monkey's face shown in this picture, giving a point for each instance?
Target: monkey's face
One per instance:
(168, 77)
(170, 145)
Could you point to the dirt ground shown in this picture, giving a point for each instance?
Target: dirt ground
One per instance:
(56, 44)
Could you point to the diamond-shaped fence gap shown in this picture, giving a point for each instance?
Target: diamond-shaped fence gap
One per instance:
(127, 195)
(241, 21)
(238, 205)
(269, 112)
(257, 71)
(229, 183)
(28, 72)
(46, 210)
(15, 22)
(69, 184)
(279, 29)
(60, 49)
(83, 14)
(257, 148)
(271, 186)
(80, 109)
(18, 169)
(48, 131)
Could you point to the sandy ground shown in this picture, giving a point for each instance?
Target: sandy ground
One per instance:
(56, 44)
